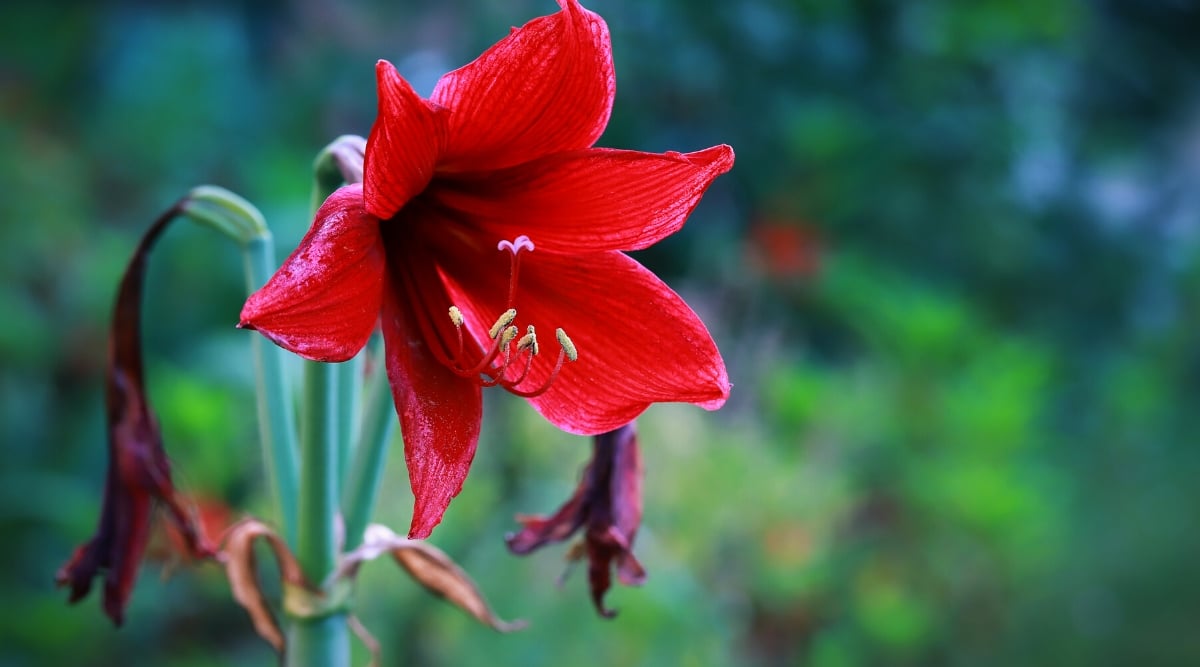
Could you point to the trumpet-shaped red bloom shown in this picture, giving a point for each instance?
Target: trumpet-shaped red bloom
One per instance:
(487, 236)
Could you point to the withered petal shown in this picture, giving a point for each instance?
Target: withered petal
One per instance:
(139, 473)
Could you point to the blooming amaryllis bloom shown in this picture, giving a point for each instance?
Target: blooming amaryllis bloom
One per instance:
(139, 473)
(608, 506)
(486, 219)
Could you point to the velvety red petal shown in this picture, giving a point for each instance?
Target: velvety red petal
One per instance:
(439, 413)
(597, 199)
(403, 146)
(324, 301)
(547, 87)
(638, 342)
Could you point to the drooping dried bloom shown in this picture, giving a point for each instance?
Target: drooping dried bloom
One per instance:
(607, 505)
(139, 474)
(485, 220)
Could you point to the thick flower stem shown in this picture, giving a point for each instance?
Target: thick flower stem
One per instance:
(322, 641)
(276, 417)
(362, 481)
(349, 411)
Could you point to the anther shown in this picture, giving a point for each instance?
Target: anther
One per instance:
(529, 340)
(505, 319)
(567, 345)
(456, 316)
(509, 335)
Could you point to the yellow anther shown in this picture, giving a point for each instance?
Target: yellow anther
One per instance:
(567, 346)
(529, 340)
(505, 320)
(456, 316)
(509, 334)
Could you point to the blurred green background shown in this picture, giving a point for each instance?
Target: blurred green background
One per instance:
(955, 274)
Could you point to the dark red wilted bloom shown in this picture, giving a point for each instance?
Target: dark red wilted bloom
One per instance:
(608, 506)
(139, 473)
(485, 220)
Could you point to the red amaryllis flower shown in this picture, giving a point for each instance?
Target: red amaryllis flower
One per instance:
(139, 473)
(485, 219)
(608, 506)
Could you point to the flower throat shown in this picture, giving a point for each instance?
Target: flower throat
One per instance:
(509, 359)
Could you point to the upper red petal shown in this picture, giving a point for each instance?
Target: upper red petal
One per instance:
(597, 199)
(324, 301)
(440, 413)
(547, 87)
(404, 144)
(638, 342)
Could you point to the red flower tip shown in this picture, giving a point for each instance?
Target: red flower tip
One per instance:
(608, 506)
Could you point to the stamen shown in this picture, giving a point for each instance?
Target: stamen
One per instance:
(457, 318)
(567, 345)
(498, 374)
(529, 340)
(509, 335)
(505, 319)
(492, 369)
(524, 372)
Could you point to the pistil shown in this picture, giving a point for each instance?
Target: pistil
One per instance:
(487, 372)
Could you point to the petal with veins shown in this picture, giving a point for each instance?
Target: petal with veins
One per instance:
(591, 200)
(403, 147)
(546, 87)
(324, 301)
(439, 416)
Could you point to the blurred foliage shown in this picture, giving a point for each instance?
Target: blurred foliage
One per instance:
(955, 274)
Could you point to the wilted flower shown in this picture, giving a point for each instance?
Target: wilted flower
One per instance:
(607, 505)
(485, 219)
(139, 473)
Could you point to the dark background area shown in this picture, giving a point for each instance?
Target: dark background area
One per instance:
(955, 274)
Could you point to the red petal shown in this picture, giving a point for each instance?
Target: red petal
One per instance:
(638, 342)
(547, 87)
(324, 301)
(403, 146)
(439, 415)
(598, 199)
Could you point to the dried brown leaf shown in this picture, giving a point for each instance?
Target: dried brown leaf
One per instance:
(432, 568)
(242, 572)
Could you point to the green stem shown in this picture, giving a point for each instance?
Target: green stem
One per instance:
(237, 218)
(326, 434)
(349, 405)
(318, 641)
(379, 423)
(276, 418)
